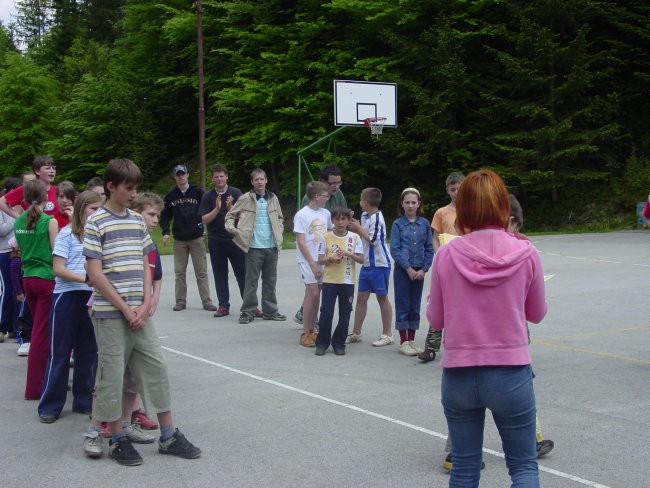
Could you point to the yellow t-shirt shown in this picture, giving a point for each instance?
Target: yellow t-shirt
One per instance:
(445, 238)
(343, 272)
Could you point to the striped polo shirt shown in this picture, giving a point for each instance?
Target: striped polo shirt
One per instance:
(375, 252)
(120, 242)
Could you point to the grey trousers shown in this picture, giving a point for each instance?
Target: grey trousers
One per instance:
(264, 262)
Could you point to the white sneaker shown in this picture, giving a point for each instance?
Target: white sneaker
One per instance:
(384, 340)
(137, 436)
(93, 444)
(352, 338)
(416, 348)
(407, 349)
(23, 350)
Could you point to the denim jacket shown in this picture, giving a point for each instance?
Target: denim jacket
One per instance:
(411, 243)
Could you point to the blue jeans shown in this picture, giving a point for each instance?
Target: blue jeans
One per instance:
(508, 392)
(330, 292)
(408, 295)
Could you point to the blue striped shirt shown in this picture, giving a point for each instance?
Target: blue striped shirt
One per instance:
(68, 247)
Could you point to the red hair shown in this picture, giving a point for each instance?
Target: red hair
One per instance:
(482, 201)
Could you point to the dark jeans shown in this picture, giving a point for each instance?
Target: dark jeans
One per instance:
(330, 292)
(264, 262)
(408, 295)
(221, 251)
(508, 392)
(6, 295)
(23, 321)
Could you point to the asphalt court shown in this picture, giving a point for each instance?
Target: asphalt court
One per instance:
(266, 411)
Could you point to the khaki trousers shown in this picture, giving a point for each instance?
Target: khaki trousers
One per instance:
(182, 252)
(141, 351)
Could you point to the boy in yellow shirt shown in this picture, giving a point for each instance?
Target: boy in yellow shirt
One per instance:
(338, 252)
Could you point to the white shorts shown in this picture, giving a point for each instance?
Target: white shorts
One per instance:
(307, 276)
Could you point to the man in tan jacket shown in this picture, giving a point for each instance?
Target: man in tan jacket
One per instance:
(257, 224)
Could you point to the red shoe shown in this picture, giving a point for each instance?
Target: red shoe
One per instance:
(140, 417)
(258, 313)
(105, 432)
(222, 312)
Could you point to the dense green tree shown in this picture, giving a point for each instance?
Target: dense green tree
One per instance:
(156, 53)
(551, 94)
(543, 120)
(33, 19)
(7, 43)
(101, 18)
(29, 97)
(101, 121)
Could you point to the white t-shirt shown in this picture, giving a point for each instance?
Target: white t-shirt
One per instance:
(313, 224)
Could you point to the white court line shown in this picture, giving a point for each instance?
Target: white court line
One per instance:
(370, 413)
(595, 260)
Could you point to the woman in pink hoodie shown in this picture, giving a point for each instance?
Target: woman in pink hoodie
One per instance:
(484, 287)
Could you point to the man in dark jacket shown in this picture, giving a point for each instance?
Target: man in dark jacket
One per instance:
(214, 206)
(181, 206)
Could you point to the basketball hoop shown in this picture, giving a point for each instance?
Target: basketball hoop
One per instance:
(376, 125)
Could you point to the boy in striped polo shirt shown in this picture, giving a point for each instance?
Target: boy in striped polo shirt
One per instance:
(116, 244)
(375, 273)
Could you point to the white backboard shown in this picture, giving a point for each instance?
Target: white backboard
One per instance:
(355, 101)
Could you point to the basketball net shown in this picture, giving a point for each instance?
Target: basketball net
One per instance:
(376, 125)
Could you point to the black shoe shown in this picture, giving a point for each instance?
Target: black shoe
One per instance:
(427, 355)
(320, 351)
(245, 318)
(124, 453)
(339, 352)
(544, 447)
(178, 445)
(47, 418)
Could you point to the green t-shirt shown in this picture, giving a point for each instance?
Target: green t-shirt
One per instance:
(34, 245)
(338, 200)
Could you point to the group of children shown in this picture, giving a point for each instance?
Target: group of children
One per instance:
(104, 259)
(330, 244)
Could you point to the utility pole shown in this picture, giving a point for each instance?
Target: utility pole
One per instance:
(199, 22)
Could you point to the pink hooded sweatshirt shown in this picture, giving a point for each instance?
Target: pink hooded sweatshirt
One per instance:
(484, 287)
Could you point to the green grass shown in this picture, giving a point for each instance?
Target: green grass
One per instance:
(288, 242)
(289, 238)
(156, 235)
